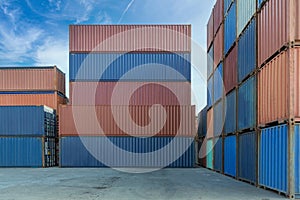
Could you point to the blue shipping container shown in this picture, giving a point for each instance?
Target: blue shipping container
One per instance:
(218, 119)
(273, 158)
(247, 156)
(230, 28)
(297, 160)
(27, 120)
(210, 61)
(210, 91)
(218, 154)
(259, 3)
(130, 67)
(21, 152)
(74, 152)
(230, 120)
(227, 4)
(230, 155)
(218, 83)
(202, 122)
(247, 51)
(247, 104)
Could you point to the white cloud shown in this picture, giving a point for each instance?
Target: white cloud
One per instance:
(125, 11)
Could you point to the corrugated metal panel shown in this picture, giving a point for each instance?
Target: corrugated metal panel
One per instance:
(127, 120)
(130, 93)
(209, 154)
(218, 83)
(218, 119)
(50, 99)
(128, 38)
(21, 152)
(210, 29)
(245, 10)
(247, 156)
(230, 28)
(202, 148)
(202, 125)
(27, 120)
(143, 152)
(230, 70)
(227, 4)
(273, 87)
(32, 79)
(297, 26)
(210, 91)
(247, 51)
(218, 14)
(259, 3)
(230, 155)
(219, 46)
(218, 152)
(297, 159)
(130, 67)
(230, 121)
(247, 104)
(210, 61)
(273, 28)
(210, 123)
(273, 153)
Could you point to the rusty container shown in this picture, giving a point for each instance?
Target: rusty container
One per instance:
(219, 46)
(230, 70)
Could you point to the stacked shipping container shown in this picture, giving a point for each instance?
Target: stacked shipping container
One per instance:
(118, 75)
(260, 74)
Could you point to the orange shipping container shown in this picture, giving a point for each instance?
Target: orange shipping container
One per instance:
(218, 14)
(50, 99)
(128, 38)
(210, 123)
(130, 93)
(279, 88)
(210, 29)
(127, 120)
(32, 79)
(219, 46)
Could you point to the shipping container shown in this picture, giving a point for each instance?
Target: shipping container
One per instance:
(218, 83)
(247, 51)
(245, 10)
(247, 104)
(129, 38)
(127, 120)
(297, 160)
(218, 154)
(230, 70)
(130, 93)
(218, 15)
(202, 125)
(230, 155)
(32, 79)
(219, 46)
(230, 120)
(210, 91)
(27, 152)
(273, 158)
(277, 30)
(209, 154)
(277, 81)
(210, 61)
(230, 28)
(210, 29)
(27, 121)
(260, 3)
(210, 123)
(218, 119)
(247, 156)
(127, 152)
(227, 4)
(202, 152)
(130, 67)
(47, 98)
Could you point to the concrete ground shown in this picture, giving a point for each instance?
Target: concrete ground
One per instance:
(90, 184)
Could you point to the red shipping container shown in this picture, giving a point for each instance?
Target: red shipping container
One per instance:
(128, 38)
(279, 88)
(230, 70)
(210, 29)
(127, 120)
(32, 79)
(130, 93)
(219, 46)
(278, 24)
(218, 15)
(210, 123)
(52, 100)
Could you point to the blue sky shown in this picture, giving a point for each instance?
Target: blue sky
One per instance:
(35, 32)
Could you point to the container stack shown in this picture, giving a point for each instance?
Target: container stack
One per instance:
(27, 136)
(252, 132)
(130, 95)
